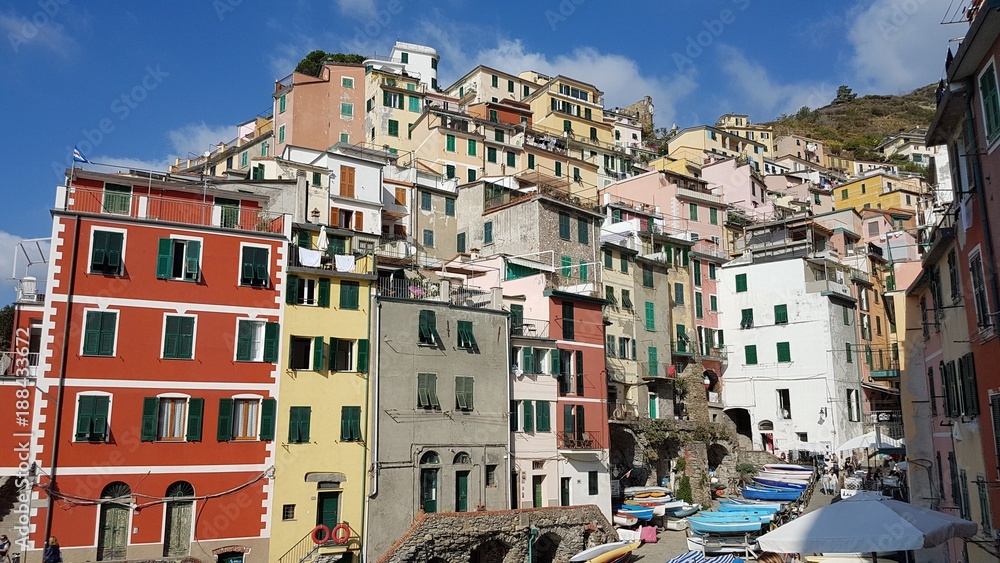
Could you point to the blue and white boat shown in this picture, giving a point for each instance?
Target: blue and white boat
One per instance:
(761, 493)
(711, 526)
(736, 516)
(747, 509)
(736, 501)
(780, 484)
(682, 511)
(640, 512)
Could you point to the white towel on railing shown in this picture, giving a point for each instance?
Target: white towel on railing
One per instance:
(344, 263)
(310, 258)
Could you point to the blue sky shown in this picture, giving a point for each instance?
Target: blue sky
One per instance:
(143, 82)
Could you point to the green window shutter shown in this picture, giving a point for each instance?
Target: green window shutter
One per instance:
(99, 422)
(271, 333)
(693, 210)
(196, 412)
(363, 355)
(583, 271)
(268, 412)
(511, 159)
(262, 267)
(564, 226)
(746, 321)
(423, 398)
(305, 418)
(317, 363)
(741, 283)
(460, 242)
(647, 277)
(713, 216)
(650, 316)
(543, 420)
(171, 337)
(192, 260)
(243, 336)
(293, 425)
(107, 340)
(98, 256)
(721, 339)
(711, 271)
(450, 143)
(780, 314)
(654, 361)
(113, 253)
(531, 162)
(696, 266)
(92, 333)
(393, 128)
(247, 266)
(84, 417)
(529, 416)
(567, 267)
(150, 406)
(583, 231)
(185, 344)
(164, 258)
(488, 232)
(970, 393)
(609, 260)
(569, 421)
(471, 149)
(850, 353)
(470, 387)
(385, 99)
(713, 303)
(349, 291)
(449, 206)
(324, 292)
(784, 352)
(699, 309)
(355, 423)
(556, 367)
(558, 169)
(750, 353)
(225, 429)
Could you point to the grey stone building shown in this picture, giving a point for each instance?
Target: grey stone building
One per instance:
(439, 402)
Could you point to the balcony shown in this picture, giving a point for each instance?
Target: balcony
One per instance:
(443, 291)
(658, 370)
(684, 193)
(8, 364)
(682, 348)
(622, 411)
(363, 265)
(171, 210)
(578, 441)
(530, 328)
(890, 372)
(889, 423)
(709, 248)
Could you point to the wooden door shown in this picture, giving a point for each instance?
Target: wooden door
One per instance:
(462, 491)
(428, 490)
(112, 540)
(177, 530)
(564, 491)
(327, 506)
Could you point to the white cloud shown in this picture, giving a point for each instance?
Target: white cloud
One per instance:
(285, 57)
(187, 141)
(897, 45)
(21, 32)
(761, 95)
(358, 9)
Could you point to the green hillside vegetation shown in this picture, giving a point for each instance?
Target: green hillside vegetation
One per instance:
(854, 125)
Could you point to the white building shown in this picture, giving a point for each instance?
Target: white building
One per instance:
(417, 60)
(790, 375)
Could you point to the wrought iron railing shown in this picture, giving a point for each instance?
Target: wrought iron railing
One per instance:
(578, 441)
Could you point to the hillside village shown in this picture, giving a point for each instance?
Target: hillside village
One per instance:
(389, 297)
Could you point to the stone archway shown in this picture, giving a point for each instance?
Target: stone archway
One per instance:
(490, 551)
(545, 548)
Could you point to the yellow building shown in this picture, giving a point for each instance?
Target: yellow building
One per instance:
(695, 143)
(883, 191)
(320, 440)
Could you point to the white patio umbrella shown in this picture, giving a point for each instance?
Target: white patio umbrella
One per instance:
(321, 242)
(866, 522)
(809, 447)
(870, 441)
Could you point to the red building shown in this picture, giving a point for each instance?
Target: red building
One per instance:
(577, 325)
(157, 380)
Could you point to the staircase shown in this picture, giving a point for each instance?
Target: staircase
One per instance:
(307, 550)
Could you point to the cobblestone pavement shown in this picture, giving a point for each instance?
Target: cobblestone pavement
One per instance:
(673, 543)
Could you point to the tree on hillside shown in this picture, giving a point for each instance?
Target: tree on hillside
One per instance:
(314, 61)
(6, 327)
(844, 94)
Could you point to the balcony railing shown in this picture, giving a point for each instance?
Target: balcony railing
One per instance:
(659, 369)
(174, 210)
(533, 328)
(8, 364)
(710, 248)
(682, 347)
(622, 411)
(884, 417)
(426, 290)
(578, 441)
(364, 264)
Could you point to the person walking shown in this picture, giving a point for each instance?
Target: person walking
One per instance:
(52, 553)
(4, 548)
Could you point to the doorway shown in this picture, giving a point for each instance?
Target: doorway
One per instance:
(462, 491)
(536, 490)
(327, 509)
(428, 490)
(112, 539)
(564, 491)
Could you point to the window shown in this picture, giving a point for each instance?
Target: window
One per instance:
(170, 419)
(106, 253)
(991, 102)
(528, 416)
(623, 262)
(781, 314)
(531, 162)
(564, 226)
(696, 267)
(583, 271)
(427, 329)
(558, 169)
(843, 194)
(746, 319)
(850, 353)
(92, 418)
(464, 387)
(427, 397)
(498, 135)
(699, 310)
(256, 341)
(306, 353)
(341, 352)
(346, 82)
(246, 419)
(344, 138)
(650, 316)
(472, 148)
(303, 291)
(678, 294)
(298, 425)
(712, 272)
(428, 238)
(449, 206)
(979, 292)
(784, 404)
(488, 232)
(592, 488)
(494, 81)
(853, 405)
(350, 424)
(609, 295)
(178, 337)
(393, 128)
(693, 211)
(627, 299)
(750, 355)
(953, 278)
(287, 511)
(647, 277)
(784, 352)
(491, 154)
(346, 109)
(466, 339)
(349, 291)
(414, 104)
(255, 267)
(99, 332)
(511, 159)
(741, 283)
(449, 144)
(713, 303)
(449, 171)
(568, 326)
(713, 216)
(281, 134)
(281, 104)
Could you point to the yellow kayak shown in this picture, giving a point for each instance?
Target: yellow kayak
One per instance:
(614, 554)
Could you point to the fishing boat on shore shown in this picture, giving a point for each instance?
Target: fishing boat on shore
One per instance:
(606, 553)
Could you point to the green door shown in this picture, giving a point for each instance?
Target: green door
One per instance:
(536, 488)
(564, 491)
(113, 538)
(654, 410)
(462, 491)
(428, 490)
(327, 507)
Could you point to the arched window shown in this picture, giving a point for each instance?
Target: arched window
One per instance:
(766, 425)
(462, 458)
(177, 529)
(430, 458)
(112, 539)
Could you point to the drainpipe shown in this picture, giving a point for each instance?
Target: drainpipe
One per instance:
(61, 391)
(973, 153)
(532, 538)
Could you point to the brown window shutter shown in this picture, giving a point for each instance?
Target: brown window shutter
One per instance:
(399, 230)
(359, 221)
(401, 196)
(346, 181)
(335, 216)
